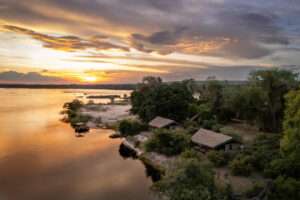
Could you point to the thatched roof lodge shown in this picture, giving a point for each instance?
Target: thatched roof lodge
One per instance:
(208, 139)
(161, 122)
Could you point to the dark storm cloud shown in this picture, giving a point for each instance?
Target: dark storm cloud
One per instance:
(237, 35)
(30, 77)
(225, 28)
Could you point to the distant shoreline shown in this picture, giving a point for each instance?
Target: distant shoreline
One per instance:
(126, 86)
(70, 86)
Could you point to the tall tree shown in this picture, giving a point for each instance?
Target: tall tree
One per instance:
(275, 83)
(154, 98)
(291, 139)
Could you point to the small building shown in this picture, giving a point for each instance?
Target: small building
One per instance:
(209, 140)
(161, 122)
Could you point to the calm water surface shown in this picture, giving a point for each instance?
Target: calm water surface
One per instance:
(41, 159)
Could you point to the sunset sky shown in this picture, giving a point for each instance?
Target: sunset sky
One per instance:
(120, 41)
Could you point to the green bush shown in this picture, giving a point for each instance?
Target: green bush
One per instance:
(285, 165)
(191, 154)
(255, 190)
(74, 105)
(191, 126)
(72, 114)
(167, 142)
(241, 165)
(264, 150)
(218, 158)
(203, 110)
(285, 188)
(190, 180)
(131, 127)
(208, 124)
(235, 134)
(76, 118)
(225, 192)
(216, 127)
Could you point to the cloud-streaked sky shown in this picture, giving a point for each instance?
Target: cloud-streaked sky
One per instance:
(118, 41)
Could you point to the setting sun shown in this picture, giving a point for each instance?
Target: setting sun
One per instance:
(89, 78)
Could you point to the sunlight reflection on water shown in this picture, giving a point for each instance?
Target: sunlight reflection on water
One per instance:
(40, 158)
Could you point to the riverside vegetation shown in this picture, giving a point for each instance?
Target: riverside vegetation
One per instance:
(268, 104)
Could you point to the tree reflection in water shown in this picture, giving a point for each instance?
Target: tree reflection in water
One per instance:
(150, 171)
(126, 152)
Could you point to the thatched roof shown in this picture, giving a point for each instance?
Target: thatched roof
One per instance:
(210, 139)
(161, 122)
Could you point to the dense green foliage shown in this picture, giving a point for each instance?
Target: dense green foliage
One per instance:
(168, 142)
(260, 102)
(258, 156)
(291, 139)
(286, 161)
(285, 188)
(73, 116)
(288, 164)
(191, 180)
(255, 190)
(75, 105)
(131, 127)
(241, 165)
(263, 151)
(268, 102)
(244, 102)
(153, 98)
(218, 158)
(275, 84)
(285, 169)
(192, 154)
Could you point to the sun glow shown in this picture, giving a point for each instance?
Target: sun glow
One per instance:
(90, 79)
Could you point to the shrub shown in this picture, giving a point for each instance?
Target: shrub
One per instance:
(208, 124)
(72, 115)
(285, 188)
(225, 192)
(78, 118)
(216, 127)
(190, 180)
(235, 134)
(131, 127)
(264, 150)
(191, 154)
(167, 142)
(74, 105)
(218, 158)
(255, 190)
(191, 126)
(286, 165)
(241, 165)
(203, 110)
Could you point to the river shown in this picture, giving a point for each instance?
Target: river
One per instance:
(41, 159)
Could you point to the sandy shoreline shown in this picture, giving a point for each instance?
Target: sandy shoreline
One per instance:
(109, 114)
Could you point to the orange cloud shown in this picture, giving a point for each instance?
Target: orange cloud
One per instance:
(67, 43)
(166, 42)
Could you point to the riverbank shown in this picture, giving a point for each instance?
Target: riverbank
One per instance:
(105, 115)
(84, 116)
(109, 116)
